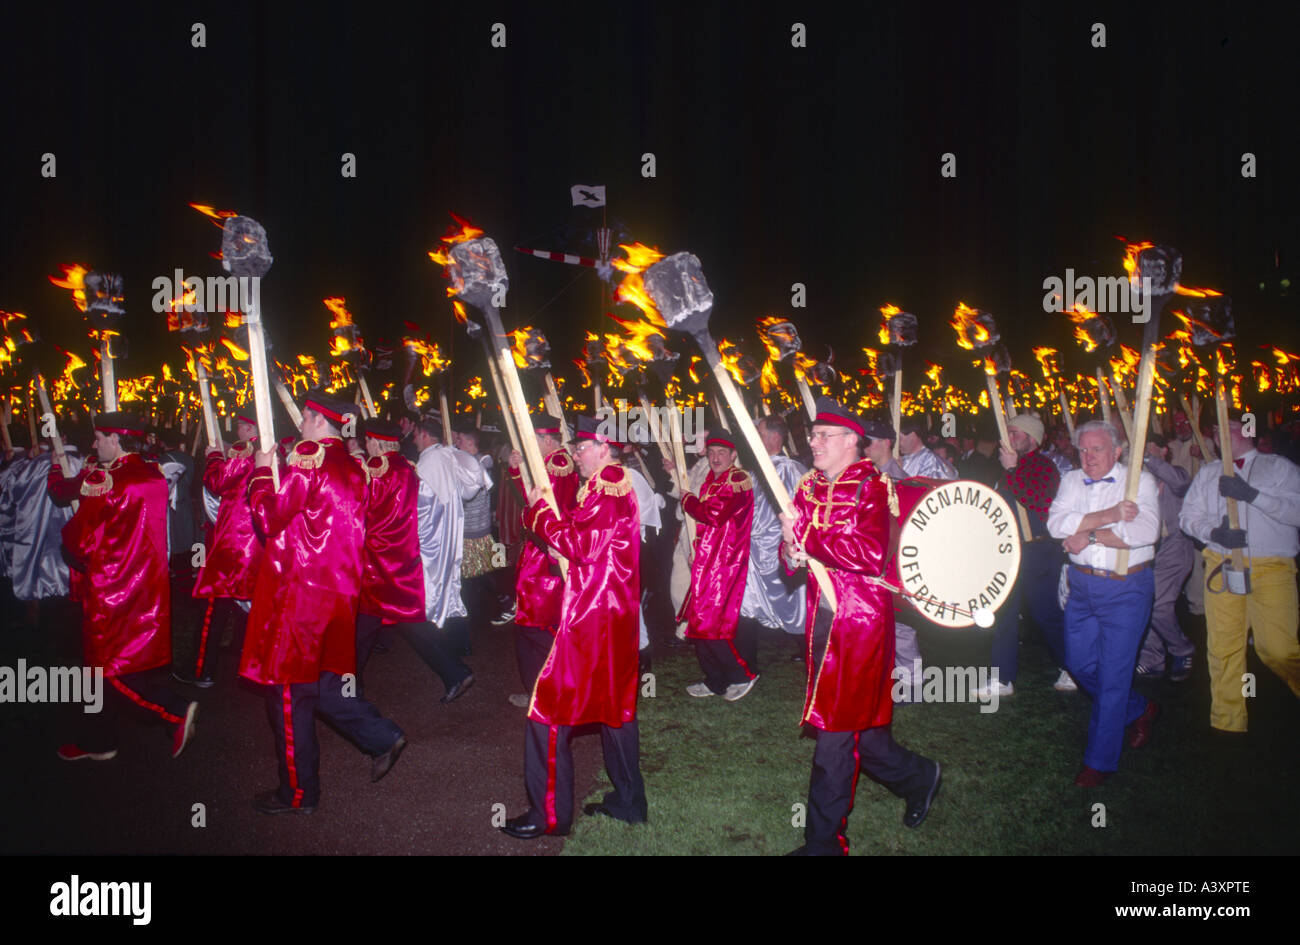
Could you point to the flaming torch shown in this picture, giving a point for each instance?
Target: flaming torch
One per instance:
(896, 333)
(478, 277)
(781, 339)
(98, 295)
(683, 301)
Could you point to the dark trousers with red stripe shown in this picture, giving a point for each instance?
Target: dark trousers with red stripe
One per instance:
(292, 708)
(207, 634)
(137, 693)
(532, 646)
(724, 661)
(548, 773)
(837, 761)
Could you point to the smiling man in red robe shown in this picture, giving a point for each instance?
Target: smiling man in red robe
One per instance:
(842, 519)
(590, 675)
(118, 541)
(301, 639)
(724, 510)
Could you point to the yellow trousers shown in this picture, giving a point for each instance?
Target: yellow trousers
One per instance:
(1272, 611)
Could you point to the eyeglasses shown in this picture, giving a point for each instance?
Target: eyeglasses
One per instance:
(815, 437)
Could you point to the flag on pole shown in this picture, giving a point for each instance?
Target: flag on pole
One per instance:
(585, 196)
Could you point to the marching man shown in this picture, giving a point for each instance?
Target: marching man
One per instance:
(301, 639)
(842, 518)
(590, 675)
(118, 541)
(724, 510)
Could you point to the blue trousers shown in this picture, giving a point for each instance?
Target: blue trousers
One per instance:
(1104, 623)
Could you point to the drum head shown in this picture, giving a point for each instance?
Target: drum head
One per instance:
(958, 552)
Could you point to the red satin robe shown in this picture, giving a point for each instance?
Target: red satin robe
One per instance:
(591, 672)
(538, 590)
(846, 525)
(392, 580)
(235, 552)
(303, 619)
(725, 512)
(118, 538)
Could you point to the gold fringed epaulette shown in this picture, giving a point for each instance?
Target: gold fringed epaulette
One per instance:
(307, 455)
(805, 483)
(739, 480)
(241, 450)
(560, 463)
(376, 467)
(893, 493)
(98, 482)
(612, 480)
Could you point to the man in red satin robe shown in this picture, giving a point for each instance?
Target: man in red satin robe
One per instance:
(117, 540)
(724, 510)
(230, 565)
(590, 675)
(538, 590)
(301, 638)
(842, 519)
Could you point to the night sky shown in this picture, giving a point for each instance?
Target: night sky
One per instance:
(774, 165)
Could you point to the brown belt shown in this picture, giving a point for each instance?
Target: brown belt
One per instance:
(1097, 572)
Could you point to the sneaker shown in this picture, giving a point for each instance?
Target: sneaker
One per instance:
(184, 730)
(1003, 690)
(520, 700)
(70, 752)
(700, 690)
(1065, 683)
(1182, 669)
(506, 616)
(1144, 672)
(738, 691)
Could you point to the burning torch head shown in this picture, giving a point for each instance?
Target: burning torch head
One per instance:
(477, 273)
(784, 337)
(1163, 265)
(536, 349)
(104, 299)
(1000, 357)
(244, 250)
(749, 370)
(1101, 331)
(902, 329)
(680, 292)
(1211, 320)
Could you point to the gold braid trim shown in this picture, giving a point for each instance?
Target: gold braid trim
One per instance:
(621, 485)
(893, 494)
(99, 482)
(241, 450)
(376, 467)
(739, 480)
(308, 454)
(559, 464)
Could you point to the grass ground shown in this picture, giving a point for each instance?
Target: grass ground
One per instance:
(724, 778)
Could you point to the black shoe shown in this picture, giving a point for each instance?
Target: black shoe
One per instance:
(917, 809)
(458, 690)
(522, 828)
(206, 682)
(504, 617)
(382, 764)
(592, 810)
(268, 802)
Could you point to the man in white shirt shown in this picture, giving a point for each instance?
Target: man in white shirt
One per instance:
(1106, 614)
(1267, 490)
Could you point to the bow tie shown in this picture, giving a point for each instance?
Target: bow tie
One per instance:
(1239, 462)
(1093, 482)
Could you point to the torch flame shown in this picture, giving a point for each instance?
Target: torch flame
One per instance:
(74, 278)
(969, 331)
(218, 217)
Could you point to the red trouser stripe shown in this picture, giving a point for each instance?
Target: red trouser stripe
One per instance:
(735, 654)
(288, 747)
(143, 702)
(853, 793)
(552, 738)
(203, 639)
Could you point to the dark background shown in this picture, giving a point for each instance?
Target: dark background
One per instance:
(775, 165)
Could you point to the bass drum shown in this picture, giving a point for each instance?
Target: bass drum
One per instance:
(954, 550)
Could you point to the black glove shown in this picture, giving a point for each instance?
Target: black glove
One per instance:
(1234, 487)
(1228, 537)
